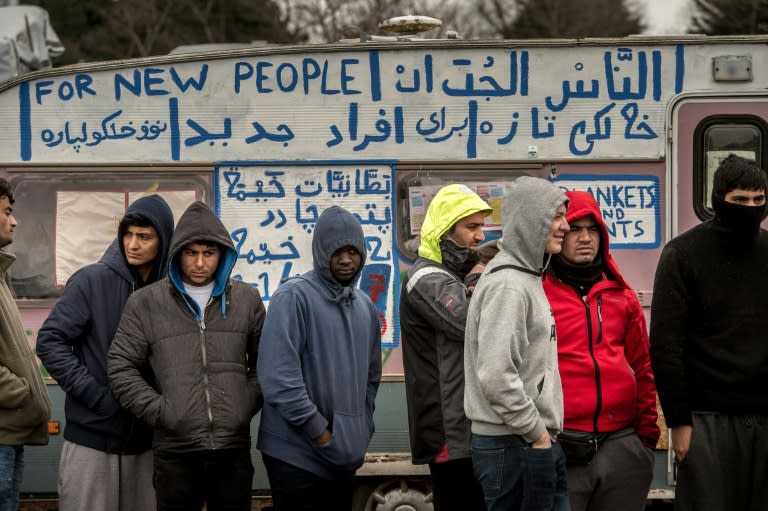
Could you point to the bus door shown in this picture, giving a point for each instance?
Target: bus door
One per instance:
(704, 131)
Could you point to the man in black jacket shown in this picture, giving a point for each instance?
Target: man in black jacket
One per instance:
(106, 462)
(184, 361)
(433, 311)
(709, 346)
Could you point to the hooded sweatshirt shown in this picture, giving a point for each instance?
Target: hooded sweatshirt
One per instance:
(512, 380)
(433, 310)
(74, 340)
(191, 372)
(320, 362)
(602, 344)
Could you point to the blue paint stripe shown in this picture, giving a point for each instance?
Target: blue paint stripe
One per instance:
(173, 108)
(25, 122)
(373, 59)
(680, 68)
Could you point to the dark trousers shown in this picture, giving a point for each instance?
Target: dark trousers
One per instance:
(219, 479)
(618, 477)
(294, 489)
(454, 486)
(726, 465)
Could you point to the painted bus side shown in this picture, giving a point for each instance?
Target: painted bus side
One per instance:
(271, 136)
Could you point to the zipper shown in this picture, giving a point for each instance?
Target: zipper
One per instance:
(591, 344)
(599, 319)
(209, 406)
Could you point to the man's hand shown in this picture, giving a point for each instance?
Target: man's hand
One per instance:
(544, 441)
(323, 438)
(478, 268)
(681, 441)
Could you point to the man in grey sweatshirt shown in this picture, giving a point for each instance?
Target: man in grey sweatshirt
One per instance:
(513, 395)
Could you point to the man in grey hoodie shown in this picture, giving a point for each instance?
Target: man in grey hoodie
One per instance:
(513, 395)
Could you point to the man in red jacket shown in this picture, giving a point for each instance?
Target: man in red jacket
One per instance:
(608, 388)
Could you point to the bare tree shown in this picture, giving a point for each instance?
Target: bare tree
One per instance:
(725, 17)
(98, 30)
(564, 18)
(331, 20)
(499, 16)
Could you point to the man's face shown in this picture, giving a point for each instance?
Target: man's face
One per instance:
(468, 232)
(582, 241)
(141, 245)
(746, 197)
(345, 263)
(557, 231)
(7, 222)
(199, 263)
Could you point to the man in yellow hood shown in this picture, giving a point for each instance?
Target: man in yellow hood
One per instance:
(433, 309)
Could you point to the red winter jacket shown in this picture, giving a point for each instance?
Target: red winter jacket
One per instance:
(602, 344)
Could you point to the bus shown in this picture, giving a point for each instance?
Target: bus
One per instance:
(270, 136)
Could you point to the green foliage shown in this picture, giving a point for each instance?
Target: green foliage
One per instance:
(93, 30)
(730, 17)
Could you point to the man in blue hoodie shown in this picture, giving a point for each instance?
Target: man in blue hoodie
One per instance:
(106, 462)
(319, 367)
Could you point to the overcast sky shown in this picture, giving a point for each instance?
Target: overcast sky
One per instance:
(667, 16)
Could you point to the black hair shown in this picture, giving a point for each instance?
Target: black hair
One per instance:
(5, 190)
(132, 220)
(737, 172)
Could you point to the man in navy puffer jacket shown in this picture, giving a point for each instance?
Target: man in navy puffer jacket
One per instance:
(106, 461)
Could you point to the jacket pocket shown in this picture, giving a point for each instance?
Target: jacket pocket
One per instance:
(32, 411)
(349, 440)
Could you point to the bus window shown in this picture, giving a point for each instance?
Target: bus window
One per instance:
(417, 184)
(715, 138)
(67, 220)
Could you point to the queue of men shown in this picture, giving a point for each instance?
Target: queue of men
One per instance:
(531, 378)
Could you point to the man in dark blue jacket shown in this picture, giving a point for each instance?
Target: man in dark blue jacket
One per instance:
(106, 461)
(319, 367)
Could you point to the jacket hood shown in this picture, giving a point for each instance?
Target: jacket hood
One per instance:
(449, 205)
(336, 228)
(582, 204)
(527, 212)
(156, 211)
(199, 224)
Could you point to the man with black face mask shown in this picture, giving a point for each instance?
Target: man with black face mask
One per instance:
(434, 300)
(709, 346)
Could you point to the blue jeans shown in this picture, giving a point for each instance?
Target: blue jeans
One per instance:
(11, 472)
(516, 476)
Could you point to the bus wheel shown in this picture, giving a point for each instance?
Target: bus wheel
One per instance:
(401, 495)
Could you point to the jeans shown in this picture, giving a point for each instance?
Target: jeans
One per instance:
(220, 479)
(516, 476)
(295, 489)
(11, 472)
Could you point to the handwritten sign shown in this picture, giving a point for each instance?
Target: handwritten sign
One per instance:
(462, 102)
(631, 206)
(271, 211)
